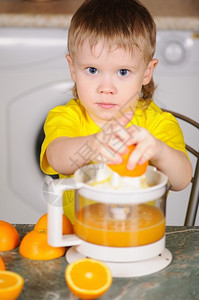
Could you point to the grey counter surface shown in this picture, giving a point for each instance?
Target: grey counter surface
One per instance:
(179, 281)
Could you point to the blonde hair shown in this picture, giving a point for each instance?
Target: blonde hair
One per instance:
(123, 23)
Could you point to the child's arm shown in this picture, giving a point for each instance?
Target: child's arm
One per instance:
(174, 163)
(105, 146)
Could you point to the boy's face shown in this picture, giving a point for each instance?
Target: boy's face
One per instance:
(108, 81)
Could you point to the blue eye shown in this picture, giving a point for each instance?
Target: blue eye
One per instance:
(123, 72)
(92, 70)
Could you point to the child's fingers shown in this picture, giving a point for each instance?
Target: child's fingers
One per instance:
(146, 147)
(119, 126)
(138, 157)
(135, 157)
(107, 155)
(112, 150)
(118, 146)
(136, 134)
(112, 140)
(115, 135)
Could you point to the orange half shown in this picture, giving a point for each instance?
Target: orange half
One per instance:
(11, 285)
(42, 224)
(9, 237)
(88, 278)
(35, 246)
(122, 170)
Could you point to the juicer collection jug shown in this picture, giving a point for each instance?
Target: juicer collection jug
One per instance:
(123, 227)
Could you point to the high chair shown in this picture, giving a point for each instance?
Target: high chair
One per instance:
(194, 193)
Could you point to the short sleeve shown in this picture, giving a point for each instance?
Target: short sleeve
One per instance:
(61, 121)
(165, 127)
(69, 120)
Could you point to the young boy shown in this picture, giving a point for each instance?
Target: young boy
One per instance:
(111, 46)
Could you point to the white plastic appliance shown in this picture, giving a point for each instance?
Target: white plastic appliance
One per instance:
(123, 228)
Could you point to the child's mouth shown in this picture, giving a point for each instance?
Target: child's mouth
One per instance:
(106, 105)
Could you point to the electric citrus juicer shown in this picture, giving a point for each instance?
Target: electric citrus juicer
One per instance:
(119, 223)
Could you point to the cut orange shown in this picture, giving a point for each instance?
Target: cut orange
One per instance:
(2, 265)
(11, 285)
(42, 224)
(35, 246)
(122, 170)
(88, 278)
(9, 237)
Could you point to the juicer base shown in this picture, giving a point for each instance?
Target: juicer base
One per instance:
(129, 269)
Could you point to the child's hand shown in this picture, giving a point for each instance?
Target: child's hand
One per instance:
(112, 140)
(173, 163)
(147, 146)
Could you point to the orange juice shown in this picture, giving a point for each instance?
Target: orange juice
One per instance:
(144, 224)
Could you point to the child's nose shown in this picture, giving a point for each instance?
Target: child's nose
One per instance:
(107, 87)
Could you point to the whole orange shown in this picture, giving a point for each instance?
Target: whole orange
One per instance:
(9, 237)
(42, 224)
(2, 265)
(122, 170)
(35, 246)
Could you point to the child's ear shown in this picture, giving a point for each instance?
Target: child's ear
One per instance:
(149, 71)
(71, 67)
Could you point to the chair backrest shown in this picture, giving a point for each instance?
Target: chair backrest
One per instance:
(194, 194)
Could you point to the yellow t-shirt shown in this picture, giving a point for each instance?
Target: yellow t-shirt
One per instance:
(72, 120)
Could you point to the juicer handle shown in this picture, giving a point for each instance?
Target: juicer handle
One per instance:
(54, 194)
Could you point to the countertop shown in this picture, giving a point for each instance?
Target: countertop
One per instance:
(180, 280)
(170, 14)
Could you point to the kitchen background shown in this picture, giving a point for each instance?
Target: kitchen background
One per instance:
(34, 77)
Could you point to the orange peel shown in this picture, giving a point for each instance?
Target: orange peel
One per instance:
(122, 170)
(9, 237)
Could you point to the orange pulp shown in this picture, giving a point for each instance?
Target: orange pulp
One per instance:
(11, 285)
(88, 278)
(144, 224)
